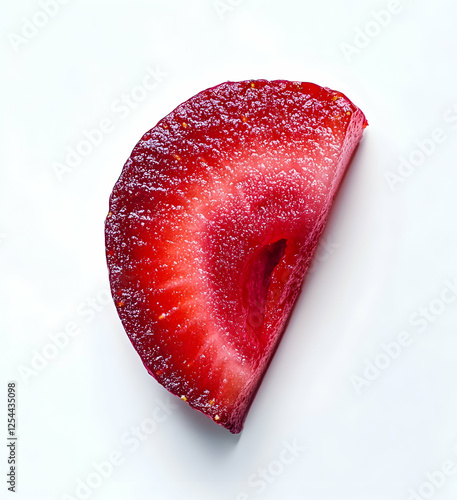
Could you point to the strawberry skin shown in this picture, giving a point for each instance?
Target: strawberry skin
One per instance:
(212, 226)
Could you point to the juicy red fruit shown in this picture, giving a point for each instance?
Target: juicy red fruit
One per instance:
(212, 226)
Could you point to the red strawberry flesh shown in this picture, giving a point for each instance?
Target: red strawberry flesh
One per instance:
(212, 225)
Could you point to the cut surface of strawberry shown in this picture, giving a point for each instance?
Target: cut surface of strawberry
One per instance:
(212, 226)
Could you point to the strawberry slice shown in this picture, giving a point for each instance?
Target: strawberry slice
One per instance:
(212, 225)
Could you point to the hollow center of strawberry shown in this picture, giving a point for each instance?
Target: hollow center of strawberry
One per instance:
(257, 282)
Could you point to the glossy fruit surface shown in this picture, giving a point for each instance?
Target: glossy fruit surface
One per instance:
(212, 225)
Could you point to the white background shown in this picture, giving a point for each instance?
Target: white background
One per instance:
(387, 252)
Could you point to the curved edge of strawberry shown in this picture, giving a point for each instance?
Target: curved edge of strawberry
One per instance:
(233, 423)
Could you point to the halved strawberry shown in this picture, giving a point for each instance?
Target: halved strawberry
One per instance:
(212, 225)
